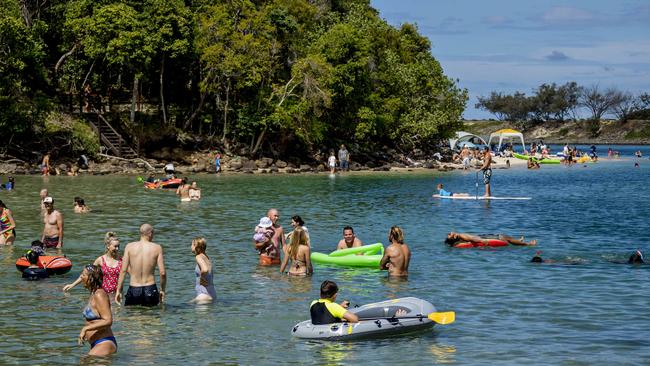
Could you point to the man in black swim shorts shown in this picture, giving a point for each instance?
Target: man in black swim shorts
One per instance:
(140, 261)
(487, 170)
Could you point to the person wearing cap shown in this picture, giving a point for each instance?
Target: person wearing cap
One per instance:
(53, 230)
(349, 239)
(270, 250)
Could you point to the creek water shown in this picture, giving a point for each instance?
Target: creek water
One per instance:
(508, 310)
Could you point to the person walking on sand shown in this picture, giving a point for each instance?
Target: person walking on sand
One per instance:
(487, 170)
(52, 236)
(140, 261)
(397, 256)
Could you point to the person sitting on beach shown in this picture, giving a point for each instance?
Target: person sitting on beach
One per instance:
(299, 254)
(443, 193)
(183, 191)
(349, 239)
(326, 311)
(52, 236)
(297, 222)
(636, 258)
(454, 238)
(34, 272)
(205, 292)
(398, 255)
(109, 262)
(195, 192)
(80, 206)
(97, 314)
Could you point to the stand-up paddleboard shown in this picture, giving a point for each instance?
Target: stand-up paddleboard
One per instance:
(480, 198)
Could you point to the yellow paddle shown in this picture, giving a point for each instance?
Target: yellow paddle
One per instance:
(447, 317)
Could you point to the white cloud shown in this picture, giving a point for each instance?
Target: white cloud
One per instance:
(565, 14)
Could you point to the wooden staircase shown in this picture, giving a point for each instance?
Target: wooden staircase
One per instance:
(111, 140)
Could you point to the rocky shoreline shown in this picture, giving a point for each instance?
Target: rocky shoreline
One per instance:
(204, 163)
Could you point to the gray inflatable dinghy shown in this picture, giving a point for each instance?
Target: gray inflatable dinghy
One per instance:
(379, 320)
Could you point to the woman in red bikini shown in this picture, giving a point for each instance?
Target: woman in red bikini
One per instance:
(109, 263)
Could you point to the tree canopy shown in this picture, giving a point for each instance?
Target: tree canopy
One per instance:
(278, 76)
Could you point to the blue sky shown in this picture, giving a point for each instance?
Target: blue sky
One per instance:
(504, 45)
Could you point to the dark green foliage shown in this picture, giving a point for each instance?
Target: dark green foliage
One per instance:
(279, 76)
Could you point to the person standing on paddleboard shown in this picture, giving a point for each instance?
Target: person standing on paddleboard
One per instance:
(487, 170)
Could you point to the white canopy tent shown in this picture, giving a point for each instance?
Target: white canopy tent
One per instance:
(465, 138)
(507, 135)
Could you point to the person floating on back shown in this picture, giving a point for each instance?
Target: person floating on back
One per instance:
(326, 311)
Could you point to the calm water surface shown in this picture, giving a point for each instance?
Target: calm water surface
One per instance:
(509, 311)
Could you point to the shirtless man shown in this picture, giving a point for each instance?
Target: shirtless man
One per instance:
(184, 191)
(53, 230)
(397, 256)
(270, 250)
(140, 260)
(454, 238)
(487, 171)
(464, 157)
(349, 239)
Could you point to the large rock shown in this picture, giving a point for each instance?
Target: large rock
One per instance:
(281, 164)
(249, 164)
(235, 165)
(7, 168)
(305, 168)
(320, 168)
(262, 163)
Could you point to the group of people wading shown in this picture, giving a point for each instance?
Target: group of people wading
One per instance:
(270, 242)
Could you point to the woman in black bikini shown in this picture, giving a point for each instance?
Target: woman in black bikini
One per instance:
(299, 254)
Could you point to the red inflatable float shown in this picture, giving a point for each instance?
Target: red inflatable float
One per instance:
(169, 183)
(55, 264)
(486, 243)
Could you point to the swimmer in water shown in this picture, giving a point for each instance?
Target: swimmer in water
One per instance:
(538, 259)
(636, 258)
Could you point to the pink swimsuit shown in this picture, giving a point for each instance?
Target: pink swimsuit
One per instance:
(111, 274)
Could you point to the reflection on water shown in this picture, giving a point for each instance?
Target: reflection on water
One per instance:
(508, 305)
(443, 353)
